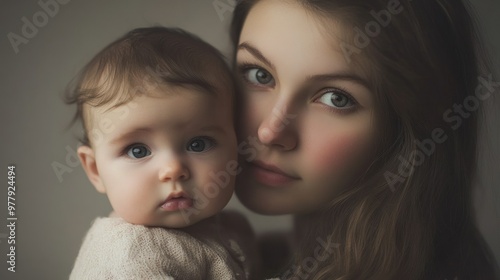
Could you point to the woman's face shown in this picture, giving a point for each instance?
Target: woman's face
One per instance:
(307, 125)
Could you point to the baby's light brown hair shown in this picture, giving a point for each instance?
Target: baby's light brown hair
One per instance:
(143, 59)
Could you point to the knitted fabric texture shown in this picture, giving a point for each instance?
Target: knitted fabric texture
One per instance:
(115, 249)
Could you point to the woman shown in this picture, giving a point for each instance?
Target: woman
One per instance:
(360, 119)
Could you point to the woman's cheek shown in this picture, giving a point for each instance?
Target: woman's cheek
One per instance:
(335, 154)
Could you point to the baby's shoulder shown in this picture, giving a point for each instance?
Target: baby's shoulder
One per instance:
(115, 239)
(116, 232)
(113, 247)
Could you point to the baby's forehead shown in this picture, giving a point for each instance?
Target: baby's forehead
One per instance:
(180, 111)
(215, 99)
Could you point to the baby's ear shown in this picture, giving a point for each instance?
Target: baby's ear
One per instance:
(87, 158)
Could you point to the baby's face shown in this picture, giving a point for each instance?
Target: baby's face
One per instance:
(166, 160)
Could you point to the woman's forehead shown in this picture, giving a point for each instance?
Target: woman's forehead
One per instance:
(291, 38)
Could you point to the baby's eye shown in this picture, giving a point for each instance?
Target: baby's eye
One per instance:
(337, 99)
(138, 151)
(258, 76)
(200, 144)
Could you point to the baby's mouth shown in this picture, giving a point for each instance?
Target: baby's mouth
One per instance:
(177, 201)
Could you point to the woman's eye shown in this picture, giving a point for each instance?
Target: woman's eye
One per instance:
(337, 99)
(258, 76)
(138, 151)
(200, 144)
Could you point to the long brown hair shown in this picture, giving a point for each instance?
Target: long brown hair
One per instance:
(410, 216)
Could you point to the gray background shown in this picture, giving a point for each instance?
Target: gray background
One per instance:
(53, 214)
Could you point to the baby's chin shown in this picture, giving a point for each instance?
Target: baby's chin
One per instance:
(175, 220)
(180, 218)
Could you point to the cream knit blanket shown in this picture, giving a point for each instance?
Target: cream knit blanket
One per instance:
(115, 249)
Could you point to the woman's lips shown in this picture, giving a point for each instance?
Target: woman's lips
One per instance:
(270, 175)
(177, 202)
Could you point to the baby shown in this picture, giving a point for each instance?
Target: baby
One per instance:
(157, 111)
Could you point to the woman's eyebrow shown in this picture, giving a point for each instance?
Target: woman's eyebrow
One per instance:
(255, 52)
(322, 77)
(346, 76)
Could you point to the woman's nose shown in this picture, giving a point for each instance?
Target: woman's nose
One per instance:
(276, 129)
(173, 170)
